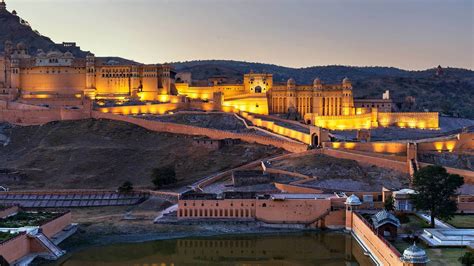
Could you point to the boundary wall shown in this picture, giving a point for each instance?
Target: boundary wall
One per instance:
(384, 252)
(198, 131)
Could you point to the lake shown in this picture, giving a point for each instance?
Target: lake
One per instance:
(309, 248)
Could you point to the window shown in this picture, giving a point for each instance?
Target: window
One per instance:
(264, 205)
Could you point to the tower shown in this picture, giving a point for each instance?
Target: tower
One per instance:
(351, 203)
(165, 76)
(3, 5)
(317, 97)
(347, 97)
(90, 76)
(291, 95)
(15, 73)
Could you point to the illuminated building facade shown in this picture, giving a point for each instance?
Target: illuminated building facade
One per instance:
(56, 74)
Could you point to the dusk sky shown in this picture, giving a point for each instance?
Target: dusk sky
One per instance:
(415, 34)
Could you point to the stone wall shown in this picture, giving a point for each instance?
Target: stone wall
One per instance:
(378, 147)
(15, 248)
(8, 211)
(56, 225)
(371, 160)
(380, 248)
(198, 131)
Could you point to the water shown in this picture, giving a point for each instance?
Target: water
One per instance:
(287, 249)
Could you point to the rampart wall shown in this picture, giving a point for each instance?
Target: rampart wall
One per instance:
(56, 225)
(8, 211)
(365, 159)
(380, 248)
(198, 131)
(15, 248)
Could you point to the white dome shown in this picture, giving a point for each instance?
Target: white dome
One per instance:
(353, 200)
(291, 81)
(414, 254)
(346, 80)
(317, 82)
(54, 54)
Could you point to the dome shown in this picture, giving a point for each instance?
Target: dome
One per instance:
(21, 46)
(291, 81)
(68, 54)
(40, 53)
(384, 217)
(414, 254)
(353, 200)
(317, 82)
(346, 80)
(54, 54)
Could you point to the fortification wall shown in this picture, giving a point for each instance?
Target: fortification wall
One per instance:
(287, 188)
(371, 160)
(385, 253)
(463, 142)
(378, 147)
(254, 103)
(198, 131)
(56, 225)
(361, 121)
(427, 120)
(8, 211)
(15, 248)
(468, 175)
(272, 126)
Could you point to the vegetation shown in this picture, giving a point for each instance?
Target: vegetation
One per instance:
(436, 189)
(389, 204)
(126, 187)
(163, 176)
(4, 236)
(462, 221)
(26, 219)
(467, 259)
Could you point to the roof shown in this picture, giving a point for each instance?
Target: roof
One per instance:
(384, 217)
(414, 254)
(353, 200)
(289, 196)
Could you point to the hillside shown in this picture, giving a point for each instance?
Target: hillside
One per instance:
(104, 154)
(451, 94)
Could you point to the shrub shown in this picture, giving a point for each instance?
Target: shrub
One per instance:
(467, 259)
(163, 176)
(126, 187)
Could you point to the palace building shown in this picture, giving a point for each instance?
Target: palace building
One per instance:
(65, 75)
(55, 74)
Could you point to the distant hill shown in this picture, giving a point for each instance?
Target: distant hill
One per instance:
(451, 93)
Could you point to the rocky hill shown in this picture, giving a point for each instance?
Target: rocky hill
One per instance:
(104, 154)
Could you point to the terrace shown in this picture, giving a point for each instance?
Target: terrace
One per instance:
(23, 219)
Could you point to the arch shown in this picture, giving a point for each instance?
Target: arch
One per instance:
(308, 122)
(315, 140)
(258, 89)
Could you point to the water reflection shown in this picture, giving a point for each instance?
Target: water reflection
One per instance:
(294, 249)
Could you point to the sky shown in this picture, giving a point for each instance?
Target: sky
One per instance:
(409, 34)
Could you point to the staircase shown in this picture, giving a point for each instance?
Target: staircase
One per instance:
(54, 251)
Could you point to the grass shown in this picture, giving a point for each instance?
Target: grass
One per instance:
(437, 256)
(462, 221)
(5, 236)
(26, 219)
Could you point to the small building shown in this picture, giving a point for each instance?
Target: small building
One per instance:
(414, 255)
(250, 177)
(386, 224)
(402, 200)
(214, 144)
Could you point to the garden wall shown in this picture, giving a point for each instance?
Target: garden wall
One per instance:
(380, 248)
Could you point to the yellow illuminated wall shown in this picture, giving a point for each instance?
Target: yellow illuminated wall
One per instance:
(253, 103)
(206, 92)
(55, 80)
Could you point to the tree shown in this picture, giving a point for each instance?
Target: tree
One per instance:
(467, 259)
(126, 187)
(163, 176)
(389, 204)
(435, 189)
